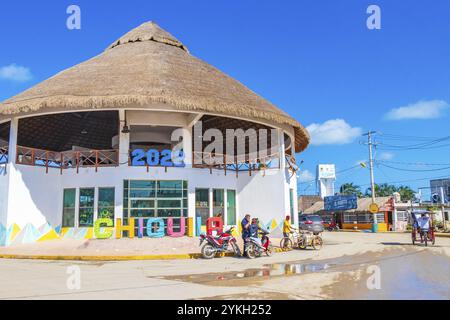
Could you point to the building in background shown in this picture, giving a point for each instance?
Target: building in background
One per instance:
(360, 218)
(440, 189)
(326, 177)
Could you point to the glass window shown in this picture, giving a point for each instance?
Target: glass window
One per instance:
(170, 184)
(218, 201)
(156, 198)
(135, 203)
(166, 193)
(231, 207)
(142, 213)
(202, 205)
(86, 211)
(165, 213)
(142, 184)
(169, 203)
(142, 193)
(106, 203)
(68, 218)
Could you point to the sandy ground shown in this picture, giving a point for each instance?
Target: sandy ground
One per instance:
(405, 269)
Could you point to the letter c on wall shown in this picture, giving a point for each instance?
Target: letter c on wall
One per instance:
(107, 233)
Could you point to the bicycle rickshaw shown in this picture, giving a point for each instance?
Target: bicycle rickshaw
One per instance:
(422, 227)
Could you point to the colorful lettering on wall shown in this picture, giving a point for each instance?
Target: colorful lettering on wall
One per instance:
(155, 158)
(107, 232)
(214, 224)
(154, 228)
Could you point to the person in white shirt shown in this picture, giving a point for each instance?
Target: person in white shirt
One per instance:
(424, 222)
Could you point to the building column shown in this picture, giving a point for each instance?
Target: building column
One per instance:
(12, 145)
(225, 207)
(124, 140)
(284, 174)
(187, 146)
(281, 149)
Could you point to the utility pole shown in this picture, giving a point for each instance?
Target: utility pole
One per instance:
(372, 180)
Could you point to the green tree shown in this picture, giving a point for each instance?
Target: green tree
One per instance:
(387, 190)
(406, 193)
(350, 188)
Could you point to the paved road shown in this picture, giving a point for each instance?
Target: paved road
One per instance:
(392, 267)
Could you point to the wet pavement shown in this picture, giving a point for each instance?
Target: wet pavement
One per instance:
(404, 273)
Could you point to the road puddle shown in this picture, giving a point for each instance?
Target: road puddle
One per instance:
(266, 271)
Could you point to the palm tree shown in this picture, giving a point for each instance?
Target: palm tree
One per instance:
(406, 193)
(387, 190)
(349, 189)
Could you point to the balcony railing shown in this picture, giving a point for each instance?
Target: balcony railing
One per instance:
(3, 154)
(235, 163)
(67, 159)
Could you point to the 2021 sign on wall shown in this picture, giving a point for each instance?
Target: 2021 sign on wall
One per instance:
(156, 158)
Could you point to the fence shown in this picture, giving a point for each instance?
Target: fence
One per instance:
(3, 154)
(235, 163)
(67, 159)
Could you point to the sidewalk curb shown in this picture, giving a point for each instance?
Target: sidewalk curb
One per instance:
(437, 234)
(114, 258)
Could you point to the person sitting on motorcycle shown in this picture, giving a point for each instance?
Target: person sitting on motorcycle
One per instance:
(254, 229)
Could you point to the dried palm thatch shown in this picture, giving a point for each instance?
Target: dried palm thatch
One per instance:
(148, 68)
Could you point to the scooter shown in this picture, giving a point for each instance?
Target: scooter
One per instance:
(255, 247)
(219, 244)
(333, 226)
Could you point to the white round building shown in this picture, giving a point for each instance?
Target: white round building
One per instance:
(143, 132)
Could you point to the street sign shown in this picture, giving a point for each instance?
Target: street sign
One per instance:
(338, 203)
(373, 208)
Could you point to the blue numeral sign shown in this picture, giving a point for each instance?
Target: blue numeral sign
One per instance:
(154, 158)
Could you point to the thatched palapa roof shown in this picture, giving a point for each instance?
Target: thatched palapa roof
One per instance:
(150, 69)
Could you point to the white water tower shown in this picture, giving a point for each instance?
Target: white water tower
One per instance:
(326, 177)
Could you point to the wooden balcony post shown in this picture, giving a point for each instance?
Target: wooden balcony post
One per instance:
(61, 163)
(77, 161)
(46, 161)
(96, 160)
(33, 151)
(225, 163)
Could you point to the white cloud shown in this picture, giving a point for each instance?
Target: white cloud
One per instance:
(305, 176)
(15, 73)
(386, 156)
(430, 109)
(335, 131)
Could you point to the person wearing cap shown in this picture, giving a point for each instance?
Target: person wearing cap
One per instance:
(245, 224)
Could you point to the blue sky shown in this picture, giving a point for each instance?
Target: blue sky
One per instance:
(317, 60)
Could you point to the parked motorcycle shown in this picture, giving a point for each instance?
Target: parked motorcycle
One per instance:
(255, 247)
(222, 243)
(333, 226)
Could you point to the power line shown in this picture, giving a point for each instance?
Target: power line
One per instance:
(415, 170)
(413, 163)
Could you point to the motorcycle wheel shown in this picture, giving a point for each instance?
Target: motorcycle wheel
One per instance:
(251, 251)
(208, 251)
(317, 243)
(269, 250)
(286, 243)
(425, 236)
